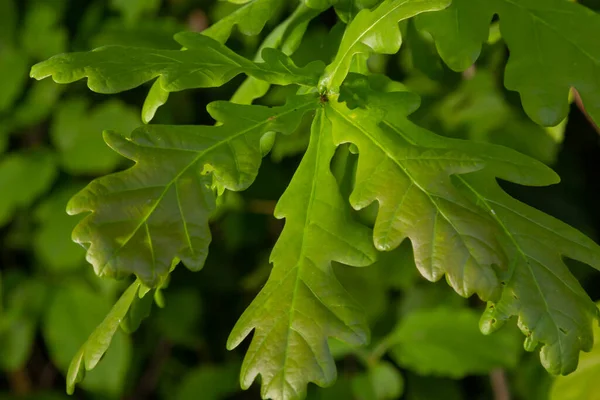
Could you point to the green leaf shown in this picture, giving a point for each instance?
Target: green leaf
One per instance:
(214, 382)
(583, 383)
(374, 31)
(42, 34)
(73, 313)
(287, 37)
(13, 77)
(382, 381)
(447, 342)
(138, 311)
(24, 176)
(471, 213)
(99, 341)
(158, 210)
(478, 107)
(52, 239)
(302, 303)
(454, 239)
(76, 132)
(18, 323)
(153, 33)
(8, 22)
(346, 10)
(552, 307)
(178, 320)
(552, 47)
(204, 63)
(132, 10)
(39, 101)
(250, 18)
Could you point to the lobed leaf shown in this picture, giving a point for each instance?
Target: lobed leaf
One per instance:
(418, 201)
(158, 210)
(302, 303)
(374, 31)
(553, 47)
(583, 383)
(204, 63)
(553, 309)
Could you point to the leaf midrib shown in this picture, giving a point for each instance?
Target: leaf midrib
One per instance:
(190, 165)
(301, 256)
(399, 164)
(509, 235)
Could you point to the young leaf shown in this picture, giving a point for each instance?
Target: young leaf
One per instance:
(204, 63)
(158, 210)
(447, 342)
(552, 307)
(302, 303)
(96, 345)
(552, 44)
(374, 31)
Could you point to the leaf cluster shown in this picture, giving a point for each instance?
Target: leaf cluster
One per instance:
(375, 196)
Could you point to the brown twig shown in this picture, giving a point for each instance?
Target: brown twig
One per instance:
(581, 107)
(149, 379)
(499, 384)
(19, 381)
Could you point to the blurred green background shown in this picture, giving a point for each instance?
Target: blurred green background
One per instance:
(425, 339)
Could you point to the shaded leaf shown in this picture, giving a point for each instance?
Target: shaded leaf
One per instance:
(76, 132)
(132, 10)
(447, 342)
(13, 77)
(23, 177)
(250, 18)
(382, 381)
(214, 382)
(552, 46)
(52, 239)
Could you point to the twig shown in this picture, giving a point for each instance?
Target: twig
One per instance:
(19, 381)
(499, 384)
(579, 103)
(149, 379)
